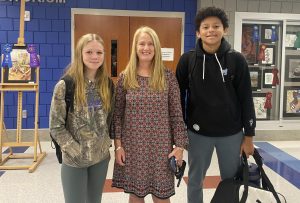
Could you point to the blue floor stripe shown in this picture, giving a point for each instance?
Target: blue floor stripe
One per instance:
(279, 161)
(17, 149)
(280, 155)
(1, 173)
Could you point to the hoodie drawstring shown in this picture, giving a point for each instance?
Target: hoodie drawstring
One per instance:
(203, 67)
(219, 66)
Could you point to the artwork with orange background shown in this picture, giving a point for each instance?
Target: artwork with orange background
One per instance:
(249, 46)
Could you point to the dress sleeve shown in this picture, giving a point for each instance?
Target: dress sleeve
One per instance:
(178, 129)
(119, 110)
(57, 120)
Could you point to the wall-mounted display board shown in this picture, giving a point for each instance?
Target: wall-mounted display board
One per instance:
(270, 43)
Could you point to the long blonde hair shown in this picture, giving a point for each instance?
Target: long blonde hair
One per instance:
(157, 79)
(76, 71)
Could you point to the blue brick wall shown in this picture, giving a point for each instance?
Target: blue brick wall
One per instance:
(45, 25)
(6, 24)
(50, 30)
(2, 11)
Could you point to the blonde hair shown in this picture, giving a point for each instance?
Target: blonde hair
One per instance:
(76, 71)
(157, 80)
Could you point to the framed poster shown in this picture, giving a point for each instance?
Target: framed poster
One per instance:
(267, 78)
(255, 76)
(20, 72)
(290, 39)
(292, 68)
(249, 45)
(269, 55)
(269, 33)
(291, 101)
(259, 100)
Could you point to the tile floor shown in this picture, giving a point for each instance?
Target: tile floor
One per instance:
(281, 160)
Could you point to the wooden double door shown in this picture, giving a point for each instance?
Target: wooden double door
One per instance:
(117, 33)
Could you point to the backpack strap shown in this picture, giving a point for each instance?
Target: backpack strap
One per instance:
(69, 95)
(230, 64)
(192, 63)
(69, 99)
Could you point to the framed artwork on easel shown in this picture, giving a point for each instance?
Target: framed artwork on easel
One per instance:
(20, 67)
(20, 72)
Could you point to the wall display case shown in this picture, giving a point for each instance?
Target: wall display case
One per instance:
(270, 43)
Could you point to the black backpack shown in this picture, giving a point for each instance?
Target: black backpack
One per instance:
(69, 98)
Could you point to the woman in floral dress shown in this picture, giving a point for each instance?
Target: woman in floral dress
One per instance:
(147, 123)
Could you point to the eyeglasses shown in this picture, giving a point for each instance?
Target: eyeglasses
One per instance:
(178, 170)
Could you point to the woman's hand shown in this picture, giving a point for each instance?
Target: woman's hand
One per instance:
(120, 156)
(178, 153)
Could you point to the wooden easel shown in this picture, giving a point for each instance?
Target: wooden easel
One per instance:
(20, 88)
(5, 135)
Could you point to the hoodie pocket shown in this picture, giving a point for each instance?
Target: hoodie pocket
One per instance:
(95, 149)
(216, 118)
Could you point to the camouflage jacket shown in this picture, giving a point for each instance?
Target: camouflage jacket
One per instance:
(84, 140)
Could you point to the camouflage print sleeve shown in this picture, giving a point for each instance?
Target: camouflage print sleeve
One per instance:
(57, 118)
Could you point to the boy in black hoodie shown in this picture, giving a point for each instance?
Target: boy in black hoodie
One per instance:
(216, 97)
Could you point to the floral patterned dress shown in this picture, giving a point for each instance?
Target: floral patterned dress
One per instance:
(148, 123)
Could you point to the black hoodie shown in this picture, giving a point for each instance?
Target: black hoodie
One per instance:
(217, 98)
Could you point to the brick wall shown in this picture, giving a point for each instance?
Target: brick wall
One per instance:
(50, 30)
